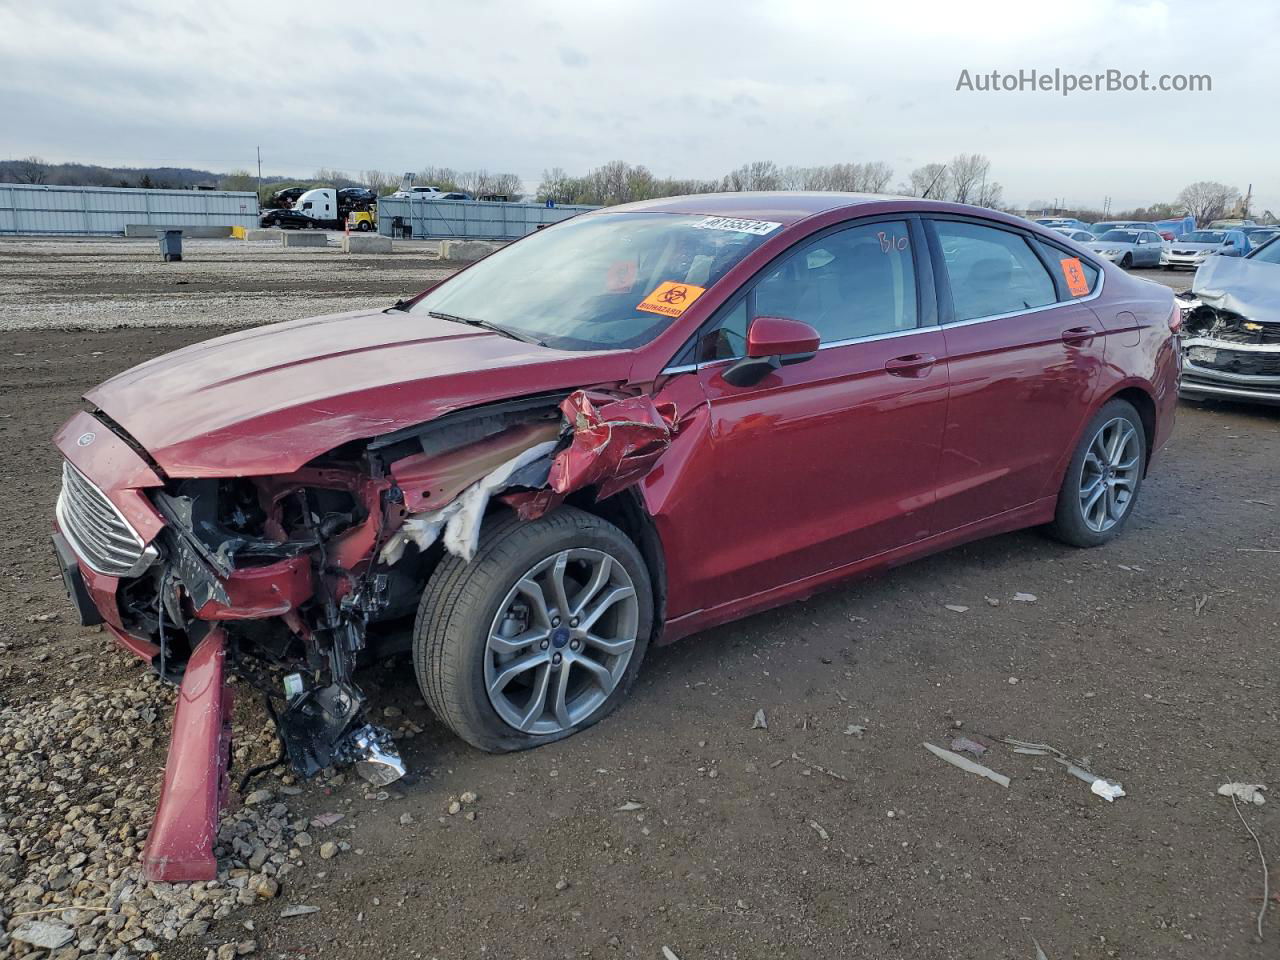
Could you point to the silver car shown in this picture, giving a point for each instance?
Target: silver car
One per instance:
(1129, 248)
(1192, 249)
(1076, 234)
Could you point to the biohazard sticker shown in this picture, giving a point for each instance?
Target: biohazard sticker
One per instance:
(671, 299)
(737, 225)
(1073, 273)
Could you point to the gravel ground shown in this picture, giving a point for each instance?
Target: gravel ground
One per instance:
(829, 833)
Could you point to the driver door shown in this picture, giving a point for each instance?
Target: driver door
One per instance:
(832, 460)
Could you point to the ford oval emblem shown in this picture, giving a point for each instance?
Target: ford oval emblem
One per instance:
(85, 439)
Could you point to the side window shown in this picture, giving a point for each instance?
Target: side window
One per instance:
(728, 339)
(1079, 276)
(992, 271)
(855, 283)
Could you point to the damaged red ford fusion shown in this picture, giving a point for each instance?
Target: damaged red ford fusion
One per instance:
(622, 429)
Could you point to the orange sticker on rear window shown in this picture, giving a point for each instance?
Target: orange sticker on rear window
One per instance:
(671, 299)
(1073, 272)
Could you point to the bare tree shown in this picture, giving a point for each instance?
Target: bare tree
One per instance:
(1207, 200)
(238, 180)
(968, 174)
(379, 181)
(931, 180)
(31, 170)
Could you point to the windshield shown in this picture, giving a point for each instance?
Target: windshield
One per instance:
(604, 281)
(1120, 236)
(1203, 236)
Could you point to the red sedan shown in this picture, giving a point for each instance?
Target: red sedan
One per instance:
(618, 431)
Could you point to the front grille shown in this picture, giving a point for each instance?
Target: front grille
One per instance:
(97, 532)
(1245, 363)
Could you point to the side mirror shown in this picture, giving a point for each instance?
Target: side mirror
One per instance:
(773, 342)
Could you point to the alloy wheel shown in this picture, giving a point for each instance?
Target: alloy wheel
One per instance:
(561, 641)
(1109, 474)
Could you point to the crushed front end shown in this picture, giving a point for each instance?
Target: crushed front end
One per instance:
(288, 581)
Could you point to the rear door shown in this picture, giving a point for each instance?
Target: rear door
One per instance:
(1025, 352)
(834, 459)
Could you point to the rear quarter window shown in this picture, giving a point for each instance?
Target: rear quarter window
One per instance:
(1066, 262)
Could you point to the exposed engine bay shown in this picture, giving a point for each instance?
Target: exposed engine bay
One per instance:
(299, 578)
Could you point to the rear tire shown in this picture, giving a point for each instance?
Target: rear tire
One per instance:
(470, 634)
(1103, 479)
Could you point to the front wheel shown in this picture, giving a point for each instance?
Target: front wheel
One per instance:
(1126, 261)
(539, 636)
(1103, 479)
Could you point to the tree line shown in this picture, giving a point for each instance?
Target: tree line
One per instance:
(965, 179)
(1205, 200)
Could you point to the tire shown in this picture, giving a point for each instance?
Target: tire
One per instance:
(1071, 523)
(458, 620)
(1126, 261)
(364, 226)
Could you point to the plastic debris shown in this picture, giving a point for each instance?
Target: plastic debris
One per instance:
(964, 763)
(817, 828)
(965, 745)
(855, 730)
(760, 723)
(669, 954)
(297, 911)
(1025, 597)
(629, 806)
(1107, 790)
(1244, 792)
(957, 607)
(1040, 954)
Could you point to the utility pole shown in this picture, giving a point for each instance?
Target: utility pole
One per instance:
(259, 174)
(1248, 201)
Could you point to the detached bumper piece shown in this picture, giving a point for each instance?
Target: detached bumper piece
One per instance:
(180, 845)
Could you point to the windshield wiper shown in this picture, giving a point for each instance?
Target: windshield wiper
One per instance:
(486, 325)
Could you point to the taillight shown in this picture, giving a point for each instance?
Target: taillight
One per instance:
(1175, 320)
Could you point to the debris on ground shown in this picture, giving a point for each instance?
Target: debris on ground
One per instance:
(629, 806)
(855, 730)
(760, 723)
(1108, 790)
(964, 763)
(669, 954)
(1251, 793)
(1040, 954)
(1025, 597)
(817, 828)
(1200, 602)
(957, 607)
(965, 745)
(821, 769)
(1244, 792)
(299, 910)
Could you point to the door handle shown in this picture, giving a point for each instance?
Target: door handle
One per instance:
(912, 365)
(1078, 335)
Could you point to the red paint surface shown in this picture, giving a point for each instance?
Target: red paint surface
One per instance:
(862, 457)
(180, 845)
(615, 442)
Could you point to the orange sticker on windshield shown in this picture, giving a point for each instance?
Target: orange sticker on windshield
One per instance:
(671, 299)
(1073, 272)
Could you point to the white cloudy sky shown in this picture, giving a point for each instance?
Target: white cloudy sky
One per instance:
(688, 88)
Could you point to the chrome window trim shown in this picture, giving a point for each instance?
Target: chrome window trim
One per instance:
(869, 338)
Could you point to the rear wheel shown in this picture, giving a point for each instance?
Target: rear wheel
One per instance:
(539, 636)
(1102, 481)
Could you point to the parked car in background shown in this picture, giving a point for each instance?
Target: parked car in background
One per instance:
(411, 192)
(286, 220)
(1257, 236)
(285, 199)
(1098, 229)
(1076, 234)
(450, 195)
(1231, 328)
(618, 431)
(1231, 223)
(1129, 247)
(1055, 222)
(355, 198)
(1190, 250)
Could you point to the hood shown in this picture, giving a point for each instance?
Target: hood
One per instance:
(1099, 245)
(269, 399)
(1196, 247)
(1248, 287)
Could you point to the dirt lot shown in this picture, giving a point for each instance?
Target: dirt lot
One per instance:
(1153, 656)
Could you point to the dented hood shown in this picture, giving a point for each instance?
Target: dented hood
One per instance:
(269, 399)
(1249, 287)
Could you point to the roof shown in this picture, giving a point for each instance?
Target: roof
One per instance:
(782, 206)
